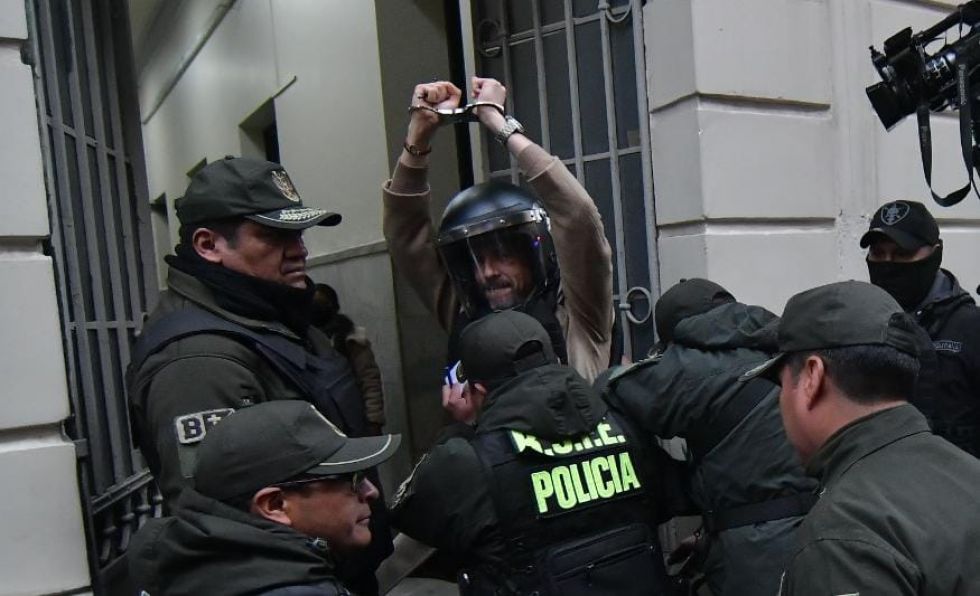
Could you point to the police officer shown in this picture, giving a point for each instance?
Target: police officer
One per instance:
(495, 239)
(550, 493)
(744, 476)
(233, 328)
(904, 257)
(897, 507)
(278, 493)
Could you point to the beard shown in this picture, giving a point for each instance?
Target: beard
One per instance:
(500, 293)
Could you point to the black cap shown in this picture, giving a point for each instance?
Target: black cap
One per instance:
(688, 298)
(502, 345)
(244, 187)
(837, 315)
(274, 441)
(908, 223)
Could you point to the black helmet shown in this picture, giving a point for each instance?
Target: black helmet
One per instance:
(497, 219)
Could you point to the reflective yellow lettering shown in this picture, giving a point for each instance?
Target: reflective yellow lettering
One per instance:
(543, 488)
(580, 495)
(590, 479)
(564, 491)
(563, 448)
(603, 486)
(615, 473)
(522, 442)
(604, 429)
(630, 479)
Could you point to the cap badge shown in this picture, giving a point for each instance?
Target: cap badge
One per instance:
(892, 213)
(281, 179)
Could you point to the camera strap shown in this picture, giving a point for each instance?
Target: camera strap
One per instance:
(966, 139)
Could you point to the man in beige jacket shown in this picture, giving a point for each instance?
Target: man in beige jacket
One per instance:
(502, 246)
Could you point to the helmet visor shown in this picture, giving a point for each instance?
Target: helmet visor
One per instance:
(500, 269)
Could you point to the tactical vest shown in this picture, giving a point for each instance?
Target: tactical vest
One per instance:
(575, 516)
(325, 380)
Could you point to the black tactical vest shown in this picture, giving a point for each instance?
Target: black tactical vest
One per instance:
(576, 516)
(326, 380)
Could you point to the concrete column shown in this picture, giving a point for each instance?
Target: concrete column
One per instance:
(42, 540)
(767, 156)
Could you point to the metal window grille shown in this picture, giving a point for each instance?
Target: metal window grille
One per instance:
(576, 79)
(102, 250)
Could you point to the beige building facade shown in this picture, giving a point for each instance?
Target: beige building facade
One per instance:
(763, 160)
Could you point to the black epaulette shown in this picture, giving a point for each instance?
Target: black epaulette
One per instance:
(623, 370)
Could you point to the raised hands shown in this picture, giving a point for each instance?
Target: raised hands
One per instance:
(423, 124)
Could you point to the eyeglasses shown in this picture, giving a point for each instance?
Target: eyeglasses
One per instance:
(356, 479)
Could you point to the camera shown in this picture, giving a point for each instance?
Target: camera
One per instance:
(911, 76)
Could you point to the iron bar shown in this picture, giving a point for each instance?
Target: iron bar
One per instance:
(573, 91)
(542, 80)
(615, 182)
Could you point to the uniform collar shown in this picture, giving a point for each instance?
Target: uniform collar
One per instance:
(862, 437)
(191, 288)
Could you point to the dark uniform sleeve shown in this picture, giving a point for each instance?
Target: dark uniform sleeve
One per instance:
(184, 399)
(636, 392)
(829, 567)
(445, 503)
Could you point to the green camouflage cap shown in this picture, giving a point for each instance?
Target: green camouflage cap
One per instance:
(252, 188)
(271, 442)
(837, 315)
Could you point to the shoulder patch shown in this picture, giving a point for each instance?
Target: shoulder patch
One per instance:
(947, 345)
(191, 428)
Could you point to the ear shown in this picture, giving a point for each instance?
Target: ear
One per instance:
(270, 503)
(208, 244)
(813, 381)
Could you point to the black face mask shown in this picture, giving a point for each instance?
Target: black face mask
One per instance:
(908, 283)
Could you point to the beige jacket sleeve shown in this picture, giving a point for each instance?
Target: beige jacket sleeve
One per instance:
(584, 256)
(411, 241)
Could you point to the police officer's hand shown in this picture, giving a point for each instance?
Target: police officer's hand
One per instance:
(493, 91)
(456, 401)
(423, 124)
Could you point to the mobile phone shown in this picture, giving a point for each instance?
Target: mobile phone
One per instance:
(454, 375)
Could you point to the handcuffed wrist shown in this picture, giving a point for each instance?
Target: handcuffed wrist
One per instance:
(417, 149)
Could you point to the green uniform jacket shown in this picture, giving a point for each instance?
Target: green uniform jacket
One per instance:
(208, 547)
(193, 382)
(681, 391)
(897, 515)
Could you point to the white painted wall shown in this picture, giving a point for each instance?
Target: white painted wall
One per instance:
(42, 542)
(331, 129)
(767, 156)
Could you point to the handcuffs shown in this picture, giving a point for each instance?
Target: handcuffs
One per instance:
(464, 114)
